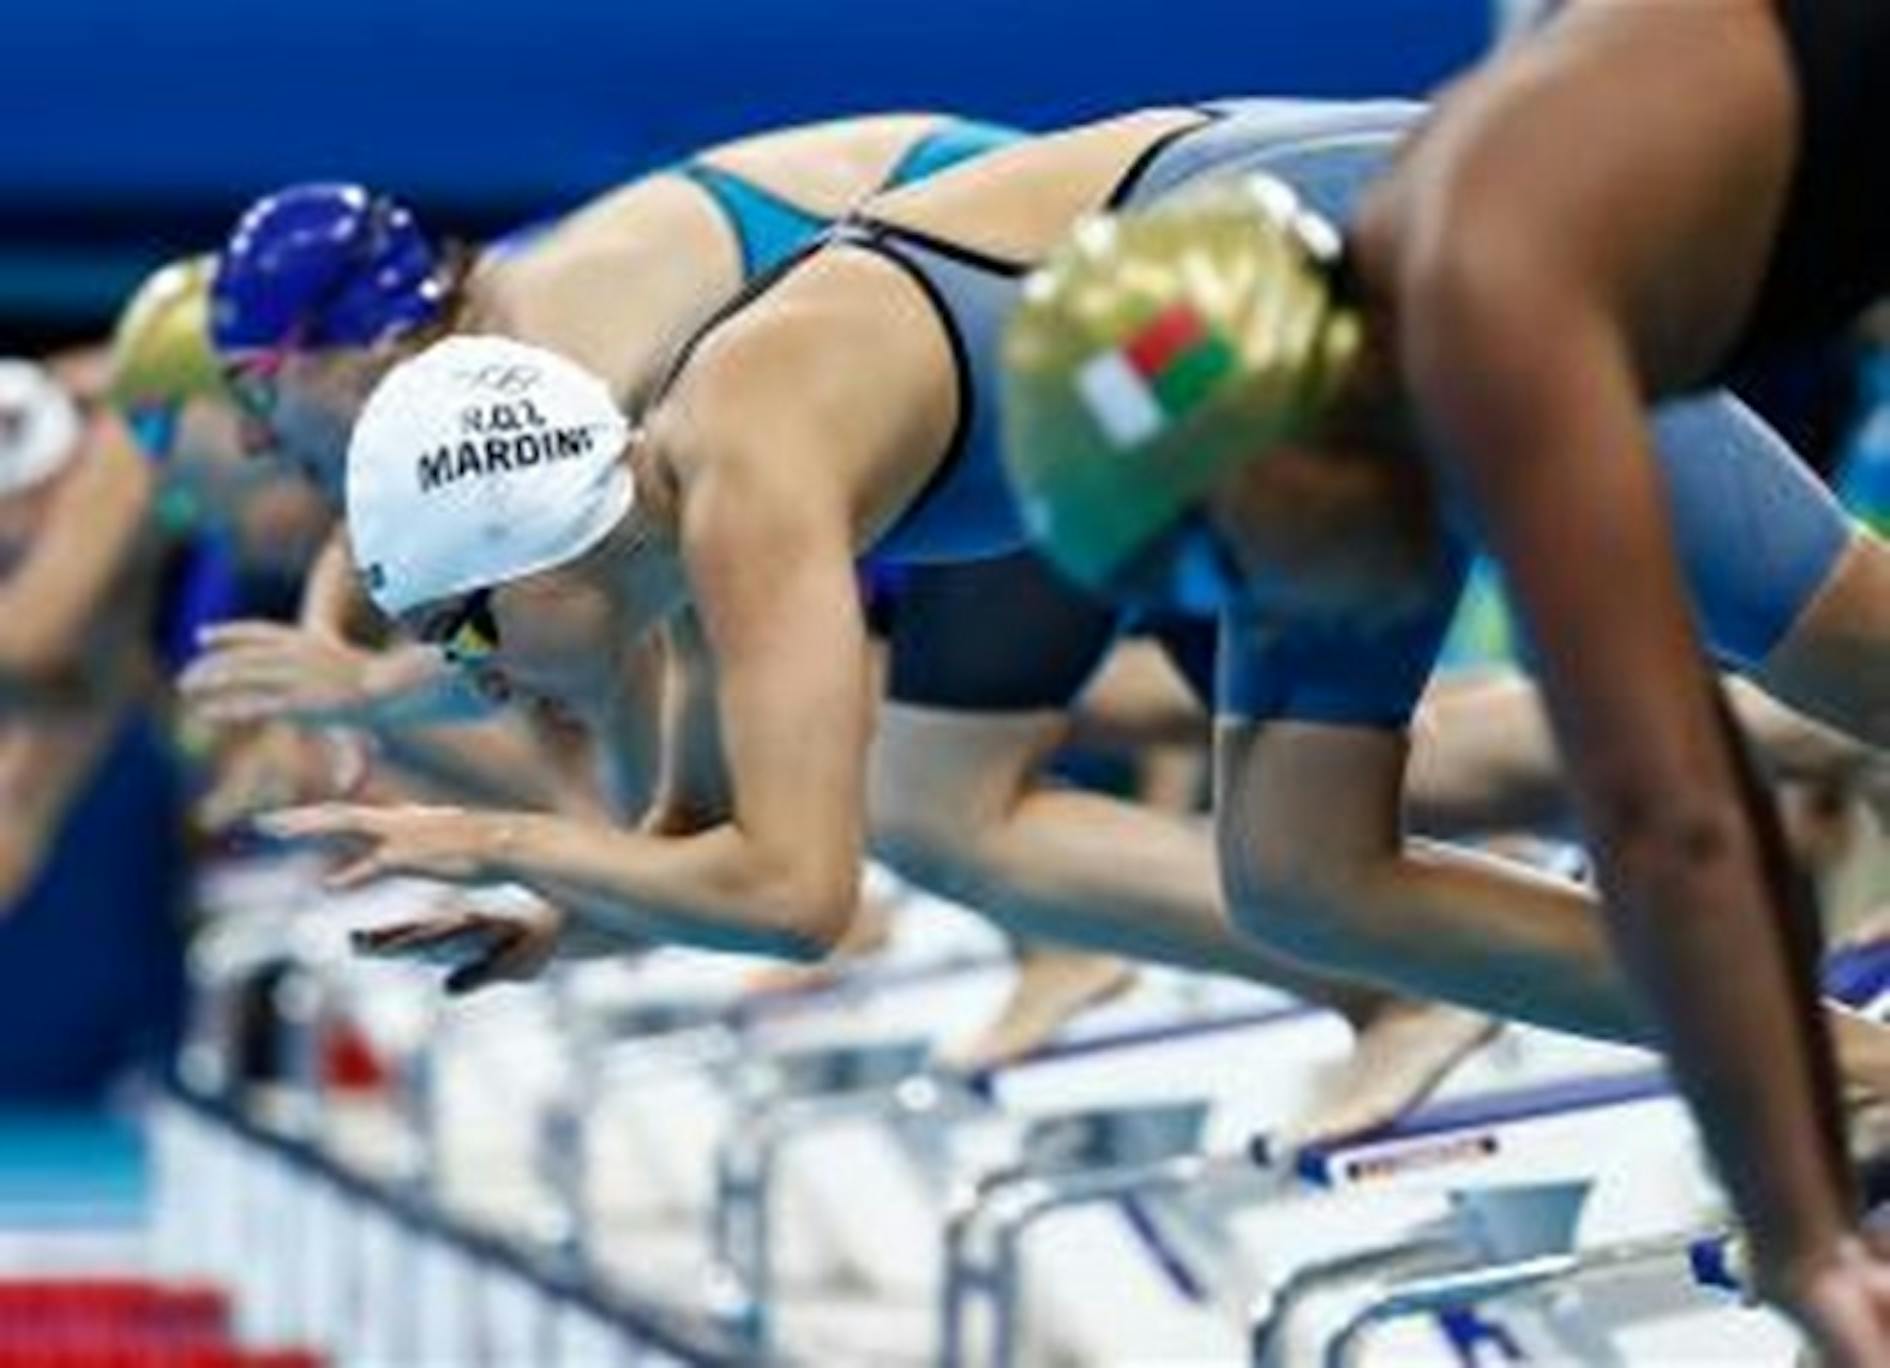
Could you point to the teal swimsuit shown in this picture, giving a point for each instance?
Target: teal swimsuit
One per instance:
(771, 229)
(1757, 535)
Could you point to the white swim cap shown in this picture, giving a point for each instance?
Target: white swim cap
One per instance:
(39, 426)
(478, 461)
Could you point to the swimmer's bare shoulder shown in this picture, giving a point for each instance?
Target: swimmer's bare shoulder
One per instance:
(839, 377)
(86, 582)
(620, 283)
(1018, 202)
(86, 372)
(617, 284)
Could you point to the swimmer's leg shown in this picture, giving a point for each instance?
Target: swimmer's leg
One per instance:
(1318, 868)
(959, 804)
(1784, 585)
(986, 661)
(1311, 761)
(1483, 758)
(1834, 662)
(1054, 986)
(867, 935)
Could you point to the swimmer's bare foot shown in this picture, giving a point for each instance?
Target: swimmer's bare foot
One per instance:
(1402, 1051)
(868, 933)
(1053, 988)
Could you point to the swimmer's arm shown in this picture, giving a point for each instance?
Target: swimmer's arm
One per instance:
(332, 602)
(268, 671)
(773, 573)
(504, 762)
(524, 757)
(44, 768)
(777, 458)
(520, 758)
(693, 790)
(770, 558)
(50, 603)
(1548, 434)
(43, 764)
(428, 719)
(425, 715)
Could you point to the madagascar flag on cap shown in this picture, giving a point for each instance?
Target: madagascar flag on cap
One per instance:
(1154, 378)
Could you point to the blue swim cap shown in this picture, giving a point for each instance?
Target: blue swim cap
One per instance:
(323, 264)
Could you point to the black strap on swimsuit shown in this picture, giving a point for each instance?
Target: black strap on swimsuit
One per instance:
(877, 235)
(866, 235)
(1132, 174)
(751, 290)
(884, 239)
(861, 230)
(881, 239)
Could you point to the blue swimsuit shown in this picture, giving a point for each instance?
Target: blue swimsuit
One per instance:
(1758, 535)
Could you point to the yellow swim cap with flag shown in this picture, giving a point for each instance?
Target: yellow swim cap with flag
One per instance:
(161, 359)
(1158, 349)
(161, 356)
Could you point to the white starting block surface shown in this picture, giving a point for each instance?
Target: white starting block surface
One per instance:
(539, 1115)
(1250, 1068)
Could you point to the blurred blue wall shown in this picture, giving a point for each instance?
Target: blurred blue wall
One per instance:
(479, 100)
(167, 114)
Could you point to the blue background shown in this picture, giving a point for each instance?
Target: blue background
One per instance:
(131, 129)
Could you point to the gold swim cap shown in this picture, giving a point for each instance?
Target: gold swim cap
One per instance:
(161, 356)
(1158, 349)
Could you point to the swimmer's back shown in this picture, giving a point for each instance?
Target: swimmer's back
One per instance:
(958, 247)
(828, 169)
(619, 283)
(971, 264)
